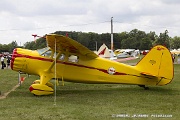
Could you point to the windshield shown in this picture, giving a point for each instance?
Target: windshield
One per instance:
(43, 50)
(46, 52)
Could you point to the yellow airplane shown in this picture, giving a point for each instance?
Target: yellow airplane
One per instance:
(67, 60)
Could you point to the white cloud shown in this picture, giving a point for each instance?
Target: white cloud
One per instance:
(22, 18)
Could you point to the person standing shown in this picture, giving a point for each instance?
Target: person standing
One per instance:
(8, 61)
(2, 62)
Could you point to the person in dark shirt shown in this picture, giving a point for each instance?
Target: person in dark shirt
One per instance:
(8, 61)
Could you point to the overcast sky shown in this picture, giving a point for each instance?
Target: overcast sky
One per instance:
(19, 19)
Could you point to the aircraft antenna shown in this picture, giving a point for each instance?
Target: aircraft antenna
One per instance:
(55, 73)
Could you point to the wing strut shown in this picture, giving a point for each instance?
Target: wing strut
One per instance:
(54, 63)
(57, 57)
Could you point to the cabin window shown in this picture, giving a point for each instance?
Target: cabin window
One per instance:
(62, 57)
(73, 58)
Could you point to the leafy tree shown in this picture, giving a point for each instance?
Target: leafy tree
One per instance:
(137, 39)
(117, 40)
(33, 45)
(1, 46)
(12, 45)
(106, 39)
(84, 39)
(145, 44)
(152, 36)
(93, 39)
(175, 42)
(125, 43)
(29, 45)
(163, 39)
(121, 37)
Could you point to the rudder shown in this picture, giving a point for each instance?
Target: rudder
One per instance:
(158, 62)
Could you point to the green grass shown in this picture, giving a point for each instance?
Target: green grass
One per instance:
(76, 101)
(7, 80)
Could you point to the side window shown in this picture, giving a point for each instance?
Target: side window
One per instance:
(73, 58)
(62, 57)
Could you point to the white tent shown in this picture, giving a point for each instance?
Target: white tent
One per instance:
(105, 52)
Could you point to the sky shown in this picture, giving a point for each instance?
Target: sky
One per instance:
(19, 19)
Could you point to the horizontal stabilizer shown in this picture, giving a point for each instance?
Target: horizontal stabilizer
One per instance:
(148, 74)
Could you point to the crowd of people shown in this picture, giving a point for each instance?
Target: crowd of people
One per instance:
(7, 63)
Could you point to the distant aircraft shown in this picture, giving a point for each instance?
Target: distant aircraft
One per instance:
(124, 53)
(175, 52)
(145, 52)
(67, 60)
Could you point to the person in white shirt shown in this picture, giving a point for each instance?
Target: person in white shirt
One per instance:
(2, 62)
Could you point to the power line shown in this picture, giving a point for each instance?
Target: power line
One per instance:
(91, 23)
(85, 24)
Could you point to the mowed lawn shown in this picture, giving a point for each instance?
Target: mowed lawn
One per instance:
(76, 101)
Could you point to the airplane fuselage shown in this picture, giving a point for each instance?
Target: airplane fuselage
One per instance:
(97, 70)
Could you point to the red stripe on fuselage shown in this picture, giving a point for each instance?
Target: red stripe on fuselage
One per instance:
(66, 63)
(13, 57)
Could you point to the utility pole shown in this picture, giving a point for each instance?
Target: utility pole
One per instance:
(112, 47)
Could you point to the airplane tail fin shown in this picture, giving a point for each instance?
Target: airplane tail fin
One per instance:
(158, 63)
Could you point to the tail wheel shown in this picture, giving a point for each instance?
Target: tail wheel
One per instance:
(146, 88)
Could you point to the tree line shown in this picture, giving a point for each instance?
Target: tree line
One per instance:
(8, 47)
(135, 39)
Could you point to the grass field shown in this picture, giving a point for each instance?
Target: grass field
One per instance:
(76, 101)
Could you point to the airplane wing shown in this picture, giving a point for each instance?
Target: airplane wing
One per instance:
(66, 44)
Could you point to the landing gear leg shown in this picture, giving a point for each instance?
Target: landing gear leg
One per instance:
(146, 88)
